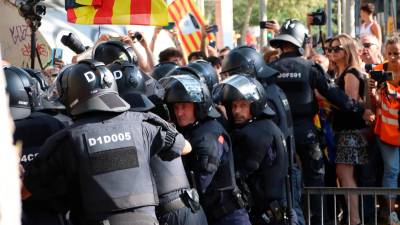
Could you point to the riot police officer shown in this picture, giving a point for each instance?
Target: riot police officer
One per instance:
(175, 197)
(102, 162)
(203, 70)
(211, 161)
(46, 103)
(259, 147)
(246, 60)
(23, 92)
(162, 69)
(109, 51)
(131, 85)
(207, 71)
(299, 78)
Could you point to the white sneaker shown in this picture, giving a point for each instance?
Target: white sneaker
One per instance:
(394, 219)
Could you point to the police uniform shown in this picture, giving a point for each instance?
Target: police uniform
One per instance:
(23, 93)
(211, 160)
(176, 199)
(102, 162)
(299, 78)
(179, 205)
(43, 126)
(261, 160)
(260, 150)
(246, 60)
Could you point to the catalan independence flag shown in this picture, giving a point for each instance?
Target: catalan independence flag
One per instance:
(189, 20)
(137, 12)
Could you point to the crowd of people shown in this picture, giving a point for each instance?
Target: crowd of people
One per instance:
(219, 136)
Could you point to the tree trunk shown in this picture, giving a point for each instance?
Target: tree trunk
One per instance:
(246, 21)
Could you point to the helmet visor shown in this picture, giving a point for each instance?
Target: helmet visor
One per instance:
(185, 88)
(239, 87)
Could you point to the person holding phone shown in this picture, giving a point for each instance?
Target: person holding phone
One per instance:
(210, 49)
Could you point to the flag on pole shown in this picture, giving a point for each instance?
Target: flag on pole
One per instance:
(137, 12)
(189, 22)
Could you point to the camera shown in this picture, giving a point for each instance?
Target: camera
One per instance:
(264, 24)
(138, 36)
(369, 67)
(318, 17)
(30, 9)
(381, 76)
(72, 42)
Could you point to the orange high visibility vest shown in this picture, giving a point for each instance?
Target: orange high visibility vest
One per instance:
(387, 122)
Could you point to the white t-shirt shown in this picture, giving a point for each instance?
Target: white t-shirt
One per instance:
(366, 28)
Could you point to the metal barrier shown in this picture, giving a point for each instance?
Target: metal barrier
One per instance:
(360, 191)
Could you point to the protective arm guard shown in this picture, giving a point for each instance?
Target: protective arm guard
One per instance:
(205, 159)
(173, 141)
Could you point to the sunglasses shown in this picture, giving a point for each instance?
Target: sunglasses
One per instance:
(393, 54)
(367, 45)
(335, 49)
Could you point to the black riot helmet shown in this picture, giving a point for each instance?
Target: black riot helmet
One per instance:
(131, 85)
(207, 71)
(186, 88)
(109, 51)
(292, 31)
(43, 101)
(246, 60)
(38, 75)
(89, 86)
(191, 71)
(243, 87)
(22, 91)
(162, 69)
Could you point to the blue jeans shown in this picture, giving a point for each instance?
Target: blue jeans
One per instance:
(296, 182)
(391, 164)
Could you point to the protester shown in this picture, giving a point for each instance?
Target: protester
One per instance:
(388, 119)
(171, 55)
(351, 142)
(371, 49)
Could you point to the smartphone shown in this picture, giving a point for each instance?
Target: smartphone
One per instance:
(212, 43)
(56, 55)
(170, 26)
(212, 29)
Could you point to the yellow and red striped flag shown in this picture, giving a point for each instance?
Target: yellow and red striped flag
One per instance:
(189, 22)
(138, 12)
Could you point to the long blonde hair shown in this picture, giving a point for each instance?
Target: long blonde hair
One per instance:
(349, 46)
